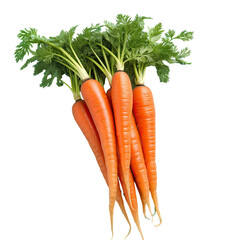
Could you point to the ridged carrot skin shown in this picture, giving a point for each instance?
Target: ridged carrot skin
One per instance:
(85, 122)
(138, 165)
(144, 113)
(122, 108)
(100, 110)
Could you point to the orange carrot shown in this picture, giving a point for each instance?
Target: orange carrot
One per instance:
(98, 105)
(144, 113)
(122, 108)
(85, 122)
(143, 202)
(138, 165)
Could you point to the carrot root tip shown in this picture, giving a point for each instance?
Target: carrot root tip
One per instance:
(130, 229)
(111, 236)
(155, 211)
(160, 219)
(146, 217)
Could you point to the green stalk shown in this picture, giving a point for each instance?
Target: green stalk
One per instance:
(97, 64)
(74, 84)
(95, 73)
(102, 68)
(76, 96)
(143, 73)
(112, 64)
(74, 53)
(135, 71)
(66, 84)
(75, 87)
(67, 66)
(63, 51)
(119, 50)
(78, 66)
(120, 65)
(124, 46)
(139, 73)
(77, 91)
(90, 72)
(106, 60)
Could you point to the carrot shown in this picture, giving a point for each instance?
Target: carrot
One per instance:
(84, 120)
(122, 107)
(144, 113)
(100, 110)
(143, 201)
(138, 166)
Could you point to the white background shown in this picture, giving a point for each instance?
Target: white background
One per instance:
(50, 184)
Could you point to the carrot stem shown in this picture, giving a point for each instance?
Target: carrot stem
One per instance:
(124, 47)
(106, 60)
(120, 65)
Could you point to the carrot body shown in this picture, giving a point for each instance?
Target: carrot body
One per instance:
(122, 108)
(138, 166)
(143, 202)
(98, 105)
(85, 122)
(144, 113)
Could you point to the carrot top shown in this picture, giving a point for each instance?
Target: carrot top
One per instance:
(100, 50)
(93, 55)
(108, 46)
(126, 45)
(54, 56)
(159, 51)
(122, 36)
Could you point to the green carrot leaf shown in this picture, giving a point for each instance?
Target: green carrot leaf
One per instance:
(45, 54)
(155, 33)
(64, 38)
(181, 55)
(124, 35)
(28, 38)
(169, 35)
(50, 73)
(163, 72)
(30, 60)
(39, 67)
(185, 36)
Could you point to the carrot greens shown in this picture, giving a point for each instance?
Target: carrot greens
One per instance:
(121, 36)
(54, 56)
(160, 51)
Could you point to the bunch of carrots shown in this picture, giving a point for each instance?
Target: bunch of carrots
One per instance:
(119, 124)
